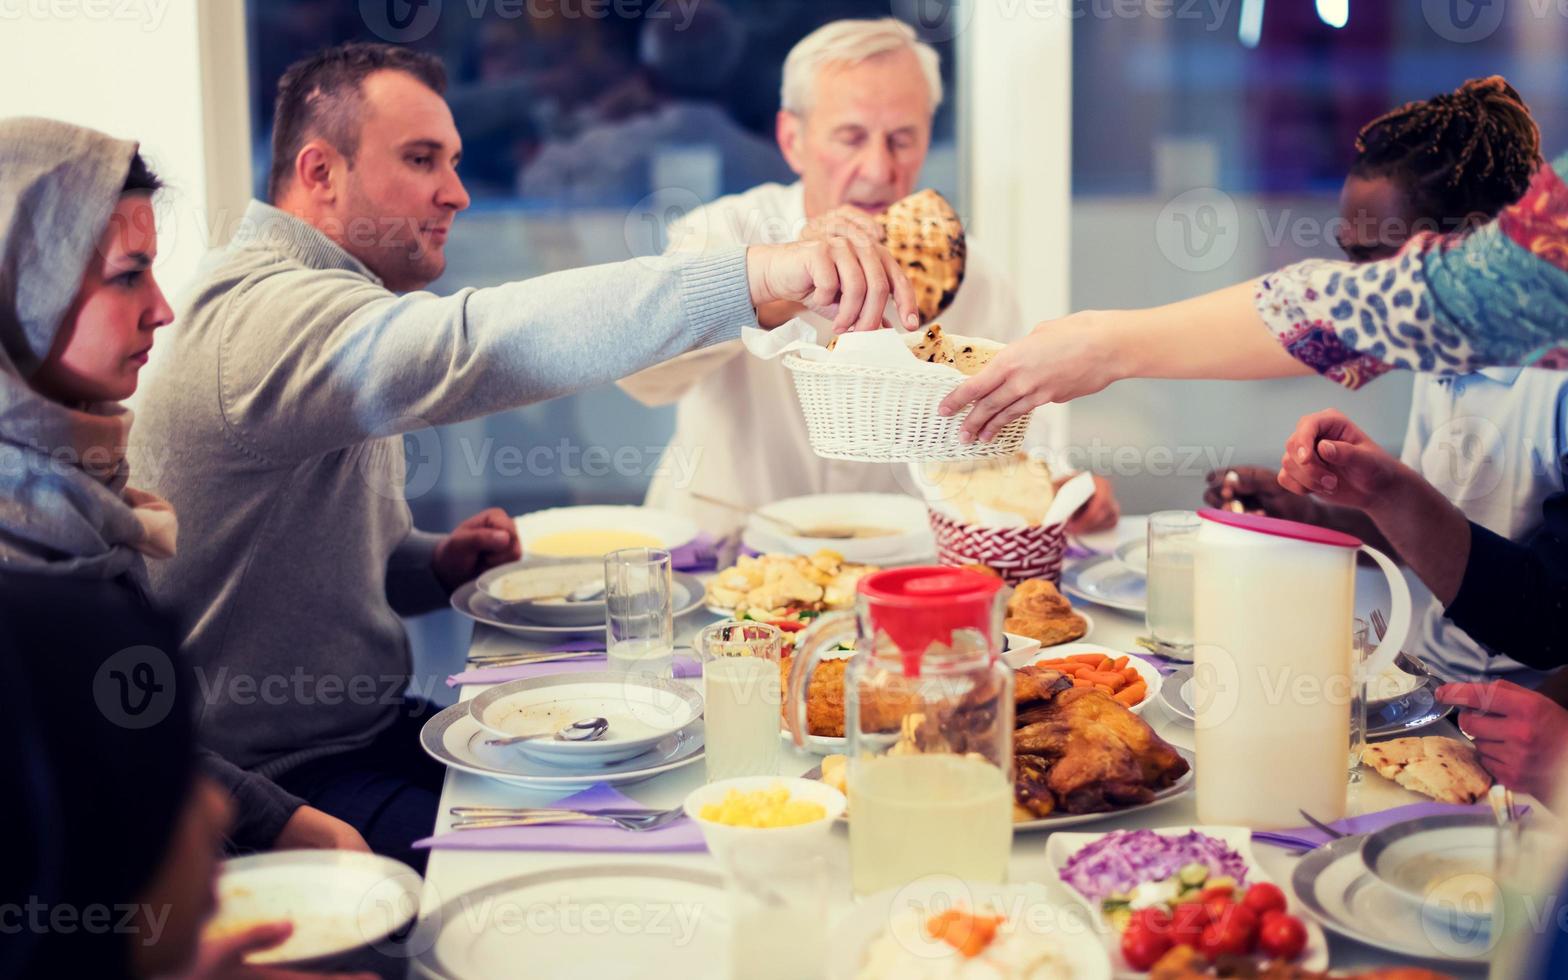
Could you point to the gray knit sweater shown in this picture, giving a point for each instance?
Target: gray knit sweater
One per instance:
(273, 422)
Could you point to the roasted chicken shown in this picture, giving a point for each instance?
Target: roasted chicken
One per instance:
(1078, 751)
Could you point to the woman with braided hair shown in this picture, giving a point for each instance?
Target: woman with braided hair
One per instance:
(1492, 442)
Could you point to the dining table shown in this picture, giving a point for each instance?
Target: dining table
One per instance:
(451, 873)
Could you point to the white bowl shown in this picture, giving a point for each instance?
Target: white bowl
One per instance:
(529, 577)
(799, 837)
(642, 711)
(904, 515)
(347, 907)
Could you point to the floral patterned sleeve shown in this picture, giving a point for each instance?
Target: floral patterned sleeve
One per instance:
(1444, 304)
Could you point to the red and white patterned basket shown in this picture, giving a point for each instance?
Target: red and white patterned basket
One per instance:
(1017, 553)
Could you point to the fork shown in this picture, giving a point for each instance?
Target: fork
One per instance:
(1320, 825)
(636, 821)
(1379, 624)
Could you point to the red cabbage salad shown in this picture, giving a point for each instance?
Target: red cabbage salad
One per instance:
(1124, 859)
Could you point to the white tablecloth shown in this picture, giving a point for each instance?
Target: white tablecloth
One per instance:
(452, 873)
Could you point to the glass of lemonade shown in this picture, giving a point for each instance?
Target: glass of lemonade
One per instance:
(740, 686)
(639, 624)
(1172, 536)
(1358, 695)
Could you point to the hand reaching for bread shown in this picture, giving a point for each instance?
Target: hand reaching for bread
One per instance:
(837, 278)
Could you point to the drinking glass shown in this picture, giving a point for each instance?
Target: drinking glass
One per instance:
(639, 625)
(779, 901)
(1173, 535)
(1359, 649)
(740, 686)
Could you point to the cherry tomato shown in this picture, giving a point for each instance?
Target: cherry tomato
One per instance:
(1187, 922)
(1234, 933)
(1264, 898)
(1283, 936)
(1226, 892)
(1217, 906)
(1154, 919)
(1142, 947)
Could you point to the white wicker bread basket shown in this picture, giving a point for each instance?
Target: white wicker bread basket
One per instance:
(883, 415)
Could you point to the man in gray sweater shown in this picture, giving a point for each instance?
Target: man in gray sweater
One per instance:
(273, 423)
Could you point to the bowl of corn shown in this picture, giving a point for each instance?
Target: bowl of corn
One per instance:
(791, 812)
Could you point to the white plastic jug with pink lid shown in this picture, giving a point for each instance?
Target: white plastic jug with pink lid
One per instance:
(1273, 603)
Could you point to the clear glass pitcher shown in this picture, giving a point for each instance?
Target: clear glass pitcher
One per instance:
(928, 722)
(1273, 676)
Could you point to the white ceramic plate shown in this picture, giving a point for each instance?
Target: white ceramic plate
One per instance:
(531, 577)
(670, 530)
(339, 901)
(1061, 847)
(1151, 676)
(627, 921)
(1333, 885)
(1057, 821)
(1135, 555)
(904, 515)
(1107, 582)
(922, 552)
(1396, 717)
(455, 740)
(1031, 906)
(685, 595)
(642, 712)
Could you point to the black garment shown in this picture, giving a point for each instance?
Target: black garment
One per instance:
(389, 790)
(117, 615)
(98, 764)
(1514, 597)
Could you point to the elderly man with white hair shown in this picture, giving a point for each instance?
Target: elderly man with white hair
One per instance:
(855, 124)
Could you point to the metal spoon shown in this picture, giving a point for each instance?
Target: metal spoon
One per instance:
(587, 730)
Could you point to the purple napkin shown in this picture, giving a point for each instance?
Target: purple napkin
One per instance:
(1165, 666)
(700, 554)
(1307, 838)
(685, 667)
(679, 835)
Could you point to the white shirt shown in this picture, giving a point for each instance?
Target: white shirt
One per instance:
(1495, 443)
(739, 432)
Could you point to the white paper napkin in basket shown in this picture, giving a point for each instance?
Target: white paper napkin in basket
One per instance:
(870, 348)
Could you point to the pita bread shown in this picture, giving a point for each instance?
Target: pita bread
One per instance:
(1443, 768)
(925, 237)
(970, 356)
(934, 346)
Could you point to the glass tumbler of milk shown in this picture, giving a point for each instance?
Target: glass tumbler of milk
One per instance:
(1172, 536)
(740, 690)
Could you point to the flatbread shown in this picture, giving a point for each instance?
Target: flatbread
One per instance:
(970, 356)
(923, 233)
(934, 346)
(1445, 769)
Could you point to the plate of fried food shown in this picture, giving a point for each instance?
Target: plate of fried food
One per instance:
(1128, 679)
(1036, 609)
(1079, 755)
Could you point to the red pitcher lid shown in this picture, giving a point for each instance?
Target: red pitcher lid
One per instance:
(1280, 528)
(917, 607)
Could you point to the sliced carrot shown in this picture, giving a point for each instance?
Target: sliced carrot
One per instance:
(1108, 689)
(1080, 682)
(1132, 694)
(1132, 675)
(1087, 658)
(1119, 663)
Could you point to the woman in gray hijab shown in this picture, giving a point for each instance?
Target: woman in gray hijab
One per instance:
(79, 309)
